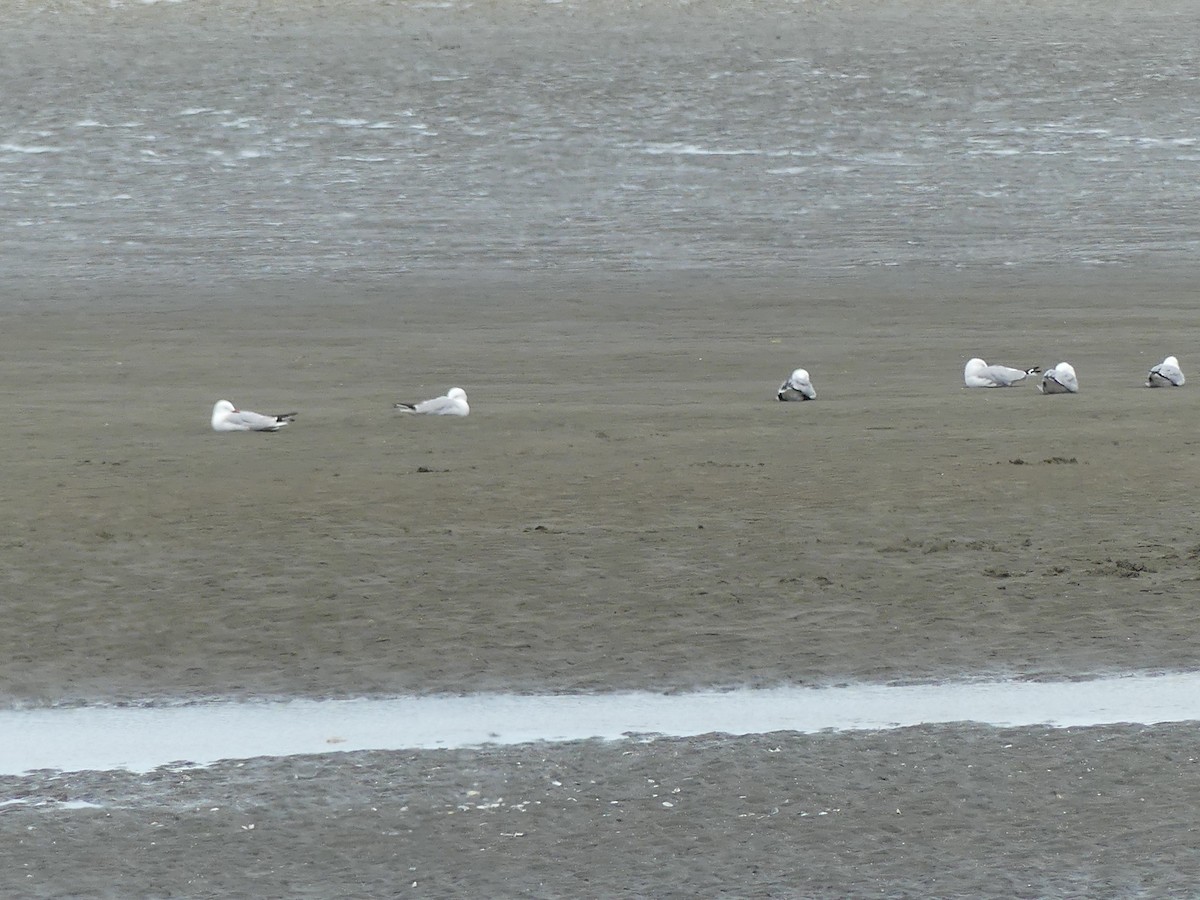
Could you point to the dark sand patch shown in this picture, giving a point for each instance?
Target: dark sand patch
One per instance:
(1099, 812)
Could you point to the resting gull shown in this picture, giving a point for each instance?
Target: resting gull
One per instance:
(1060, 380)
(227, 417)
(979, 374)
(798, 387)
(453, 404)
(1166, 374)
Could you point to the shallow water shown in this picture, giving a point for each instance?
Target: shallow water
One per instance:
(141, 739)
(178, 138)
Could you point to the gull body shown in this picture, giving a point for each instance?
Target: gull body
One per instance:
(978, 374)
(227, 417)
(454, 403)
(797, 387)
(1060, 380)
(1166, 374)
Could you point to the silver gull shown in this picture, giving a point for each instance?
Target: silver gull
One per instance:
(1166, 374)
(227, 417)
(1060, 380)
(978, 374)
(454, 403)
(798, 387)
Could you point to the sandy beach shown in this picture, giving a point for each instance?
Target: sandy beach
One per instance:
(627, 506)
(618, 227)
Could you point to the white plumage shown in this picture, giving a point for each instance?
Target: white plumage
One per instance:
(797, 387)
(1166, 374)
(227, 417)
(978, 374)
(1060, 380)
(454, 403)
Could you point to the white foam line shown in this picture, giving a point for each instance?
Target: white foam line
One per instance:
(142, 739)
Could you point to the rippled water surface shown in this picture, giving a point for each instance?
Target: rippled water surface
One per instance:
(367, 139)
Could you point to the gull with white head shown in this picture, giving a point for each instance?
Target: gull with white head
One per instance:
(979, 374)
(798, 387)
(227, 417)
(1060, 380)
(1166, 374)
(454, 403)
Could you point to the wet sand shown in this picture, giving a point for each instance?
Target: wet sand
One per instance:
(932, 812)
(626, 507)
